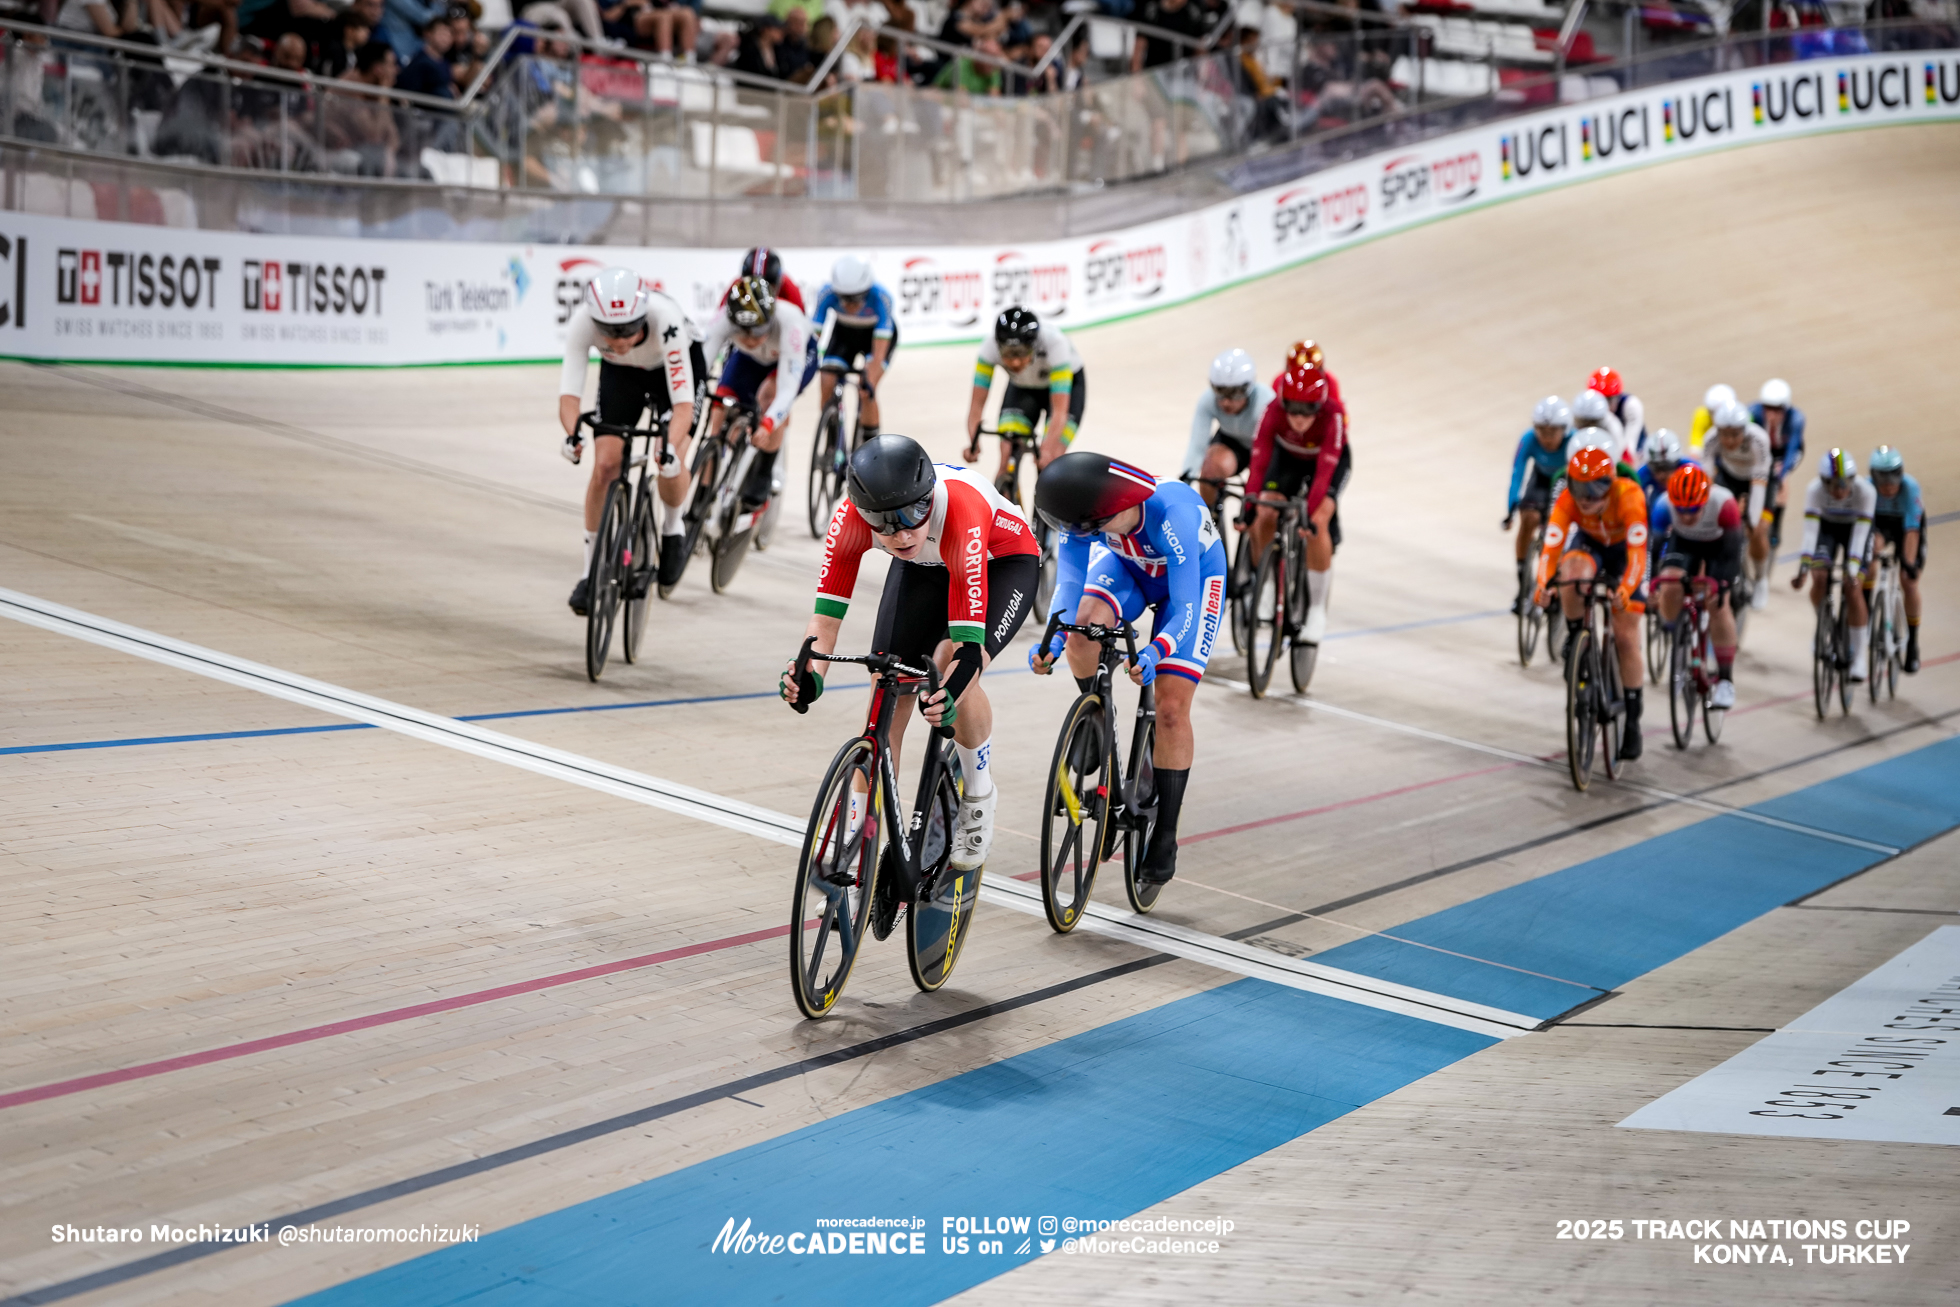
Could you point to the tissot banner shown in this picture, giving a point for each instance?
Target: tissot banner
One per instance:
(74, 289)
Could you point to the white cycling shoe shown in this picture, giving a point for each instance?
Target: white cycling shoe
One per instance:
(1759, 598)
(1314, 629)
(1857, 674)
(1722, 696)
(975, 834)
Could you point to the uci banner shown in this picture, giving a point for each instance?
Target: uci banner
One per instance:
(73, 289)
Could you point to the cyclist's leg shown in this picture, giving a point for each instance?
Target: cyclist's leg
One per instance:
(1176, 743)
(1285, 475)
(1021, 408)
(911, 625)
(1055, 443)
(1224, 458)
(1010, 594)
(1857, 615)
(673, 484)
(875, 369)
(1667, 585)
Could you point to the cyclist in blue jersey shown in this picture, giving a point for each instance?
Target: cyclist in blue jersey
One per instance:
(1899, 517)
(1783, 423)
(1535, 473)
(853, 321)
(1127, 543)
(1664, 454)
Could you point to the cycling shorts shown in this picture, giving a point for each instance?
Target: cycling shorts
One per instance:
(1612, 561)
(912, 611)
(625, 392)
(1719, 559)
(1241, 452)
(1739, 487)
(1128, 592)
(1289, 474)
(850, 344)
(1891, 527)
(1537, 495)
(1834, 540)
(742, 376)
(1023, 408)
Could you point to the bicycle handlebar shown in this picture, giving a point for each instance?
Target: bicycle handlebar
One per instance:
(880, 664)
(622, 429)
(1103, 635)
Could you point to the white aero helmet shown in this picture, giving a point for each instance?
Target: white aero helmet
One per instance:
(616, 301)
(850, 276)
(1551, 412)
(1775, 393)
(1589, 408)
(1731, 416)
(1663, 447)
(1717, 396)
(1234, 370)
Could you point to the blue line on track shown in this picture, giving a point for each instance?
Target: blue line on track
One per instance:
(1100, 1125)
(1606, 921)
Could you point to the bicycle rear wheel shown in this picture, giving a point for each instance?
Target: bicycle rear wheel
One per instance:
(836, 874)
(1238, 594)
(1581, 711)
(701, 505)
(942, 912)
(602, 581)
(1266, 628)
(1074, 809)
(826, 469)
(1660, 648)
(1896, 647)
(1531, 623)
(1606, 660)
(1683, 693)
(730, 546)
(1711, 718)
(1142, 778)
(640, 566)
(1842, 642)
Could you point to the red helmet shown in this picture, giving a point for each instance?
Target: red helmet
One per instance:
(1302, 385)
(1688, 487)
(1606, 382)
(1304, 353)
(1589, 463)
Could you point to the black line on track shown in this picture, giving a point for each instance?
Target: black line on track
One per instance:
(568, 1138)
(1639, 1025)
(1849, 907)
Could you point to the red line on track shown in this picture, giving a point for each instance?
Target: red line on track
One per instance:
(62, 1088)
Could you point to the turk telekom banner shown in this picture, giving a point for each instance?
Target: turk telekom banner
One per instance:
(72, 289)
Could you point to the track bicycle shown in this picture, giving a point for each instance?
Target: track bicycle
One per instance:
(835, 443)
(1021, 447)
(1830, 646)
(1278, 603)
(1532, 617)
(1886, 602)
(847, 886)
(1091, 799)
(1692, 671)
(1595, 701)
(1238, 580)
(715, 517)
(625, 549)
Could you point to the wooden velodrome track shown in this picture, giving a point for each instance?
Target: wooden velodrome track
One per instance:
(411, 535)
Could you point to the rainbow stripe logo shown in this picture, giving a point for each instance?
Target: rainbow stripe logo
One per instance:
(1844, 93)
(1585, 140)
(1667, 121)
(1932, 86)
(1504, 157)
(1756, 100)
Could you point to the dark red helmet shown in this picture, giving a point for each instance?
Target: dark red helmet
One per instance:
(1303, 385)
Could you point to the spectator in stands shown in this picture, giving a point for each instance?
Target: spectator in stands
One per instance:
(662, 26)
(961, 73)
(28, 112)
(1271, 114)
(823, 40)
(1179, 16)
(334, 55)
(360, 129)
(402, 22)
(470, 49)
(759, 44)
(549, 16)
(973, 22)
(154, 23)
(859, 62)
(268, 20)
(793, 50)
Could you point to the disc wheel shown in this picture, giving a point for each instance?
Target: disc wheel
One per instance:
(826, 470)
(603, 581)
(1581, 711)
(1074, 809)
(835, 876)
(1266, 622)
(1682, 692)
(1142, 778)
(942, 912)
(640, 568)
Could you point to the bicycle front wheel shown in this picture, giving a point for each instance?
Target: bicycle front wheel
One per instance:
(1074, 810)
(1142, 777)
(1659, 647)
(826, 470)
(1823, 664)
(603, 580)
(1711, 717)
(1683, 693)
(1531, 622)
(1266, 624)
(1581, 710)
(701, 505)
(942, 912)
(1608, 692)
(1238, 595)
(835, 877)
(1846, 691)
(640, 564)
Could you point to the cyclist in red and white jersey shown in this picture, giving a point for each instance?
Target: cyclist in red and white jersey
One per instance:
(765, 263)
(962, 580)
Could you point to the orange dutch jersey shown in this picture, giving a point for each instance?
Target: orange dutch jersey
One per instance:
(1622, 519)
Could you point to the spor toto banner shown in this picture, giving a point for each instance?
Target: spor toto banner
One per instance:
(72, 289)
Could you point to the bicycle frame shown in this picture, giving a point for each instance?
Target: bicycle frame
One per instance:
(1123, 801)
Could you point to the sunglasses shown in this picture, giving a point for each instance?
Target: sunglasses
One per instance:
(620, 330)
(1232, 393)
(1300, 409)
(891, 521)
(1590, 489)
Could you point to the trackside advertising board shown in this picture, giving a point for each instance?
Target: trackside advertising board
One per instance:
(72, 289)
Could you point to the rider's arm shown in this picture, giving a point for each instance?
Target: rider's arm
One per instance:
(1792, 440)
(843, 549)
(1915, 515)
(1633, 505)
(1812, 517)
(579, 338)
(1332, 441)
(1867, 499)
(1558, 522)
(1262, 450)
(1201, 423)
(1633, 418)
(790, 338)
(983, 381)
(1520, 467)
(1071, 570)
(1758, 491)
(720, 333)
(963, 545)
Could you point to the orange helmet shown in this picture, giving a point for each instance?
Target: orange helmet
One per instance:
(1305, 353)
(1688, 488)
(1302, 384)
(1606, 382)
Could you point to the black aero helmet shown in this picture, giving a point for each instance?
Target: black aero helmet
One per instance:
(890, 482)
(765, 263)
(1017, 326)
(1079, 492)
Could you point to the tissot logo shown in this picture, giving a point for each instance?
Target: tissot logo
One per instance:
(126, 279)
(275, 286)
(13, 260)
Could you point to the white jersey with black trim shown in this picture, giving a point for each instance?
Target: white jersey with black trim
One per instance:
(1855, 506)
(780, 345)
(669, 333)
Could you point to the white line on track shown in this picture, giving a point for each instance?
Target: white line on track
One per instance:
(702, 805)
(1495, 751)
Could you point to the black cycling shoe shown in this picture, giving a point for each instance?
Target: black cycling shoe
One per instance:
(579, 593)
(673, 560)
(1159, 860)
(1911, 663)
